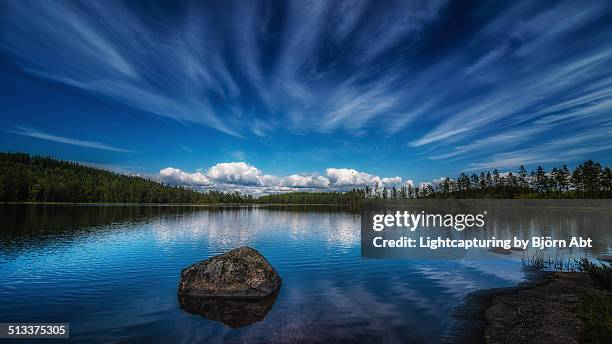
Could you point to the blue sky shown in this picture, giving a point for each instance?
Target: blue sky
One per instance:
(280, 95)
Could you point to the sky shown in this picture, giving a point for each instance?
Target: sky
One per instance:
(270, 96)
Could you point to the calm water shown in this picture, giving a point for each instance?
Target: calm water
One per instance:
(112, 273)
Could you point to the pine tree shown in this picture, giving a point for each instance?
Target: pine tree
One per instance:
(475, 184)
(522, 178)
(540, 181)
(606, 181)
(496, 180)
(564, 178)
(482, 181)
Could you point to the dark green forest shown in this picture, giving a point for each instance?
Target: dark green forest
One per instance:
(352, 198)
(588, 180)
(26, 178)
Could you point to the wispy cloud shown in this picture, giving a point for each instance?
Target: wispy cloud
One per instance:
(495, 81)
(239, 155)
(570, 148)
(209, 68)
(527, 95)
(67, 140)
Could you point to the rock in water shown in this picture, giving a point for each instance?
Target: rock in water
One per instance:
(240, 273)
(232, 312)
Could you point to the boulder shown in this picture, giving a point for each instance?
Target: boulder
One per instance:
(240, 273)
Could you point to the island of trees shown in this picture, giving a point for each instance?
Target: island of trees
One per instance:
(26, 178)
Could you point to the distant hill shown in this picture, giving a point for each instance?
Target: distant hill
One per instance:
(27, 178)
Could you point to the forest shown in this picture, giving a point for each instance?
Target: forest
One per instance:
(26, 178)
(588, 180)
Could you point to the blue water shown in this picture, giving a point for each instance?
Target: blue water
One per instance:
(112, 273)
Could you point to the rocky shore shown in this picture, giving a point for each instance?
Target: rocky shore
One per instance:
(548, 308)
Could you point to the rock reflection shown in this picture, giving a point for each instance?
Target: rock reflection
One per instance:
(232, 312)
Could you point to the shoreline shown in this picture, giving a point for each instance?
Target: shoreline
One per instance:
(550, 307)
(177, 204)
(468, 323)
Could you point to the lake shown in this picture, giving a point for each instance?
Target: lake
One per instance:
(112, 273)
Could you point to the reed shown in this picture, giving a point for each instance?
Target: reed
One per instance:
(560, 260)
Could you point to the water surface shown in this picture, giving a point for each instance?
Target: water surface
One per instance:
(112, 273)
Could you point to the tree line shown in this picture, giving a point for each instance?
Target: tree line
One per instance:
(352, 198)
(26, 178)
(588, 180)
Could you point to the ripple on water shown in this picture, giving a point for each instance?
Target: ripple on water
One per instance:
(114, 274)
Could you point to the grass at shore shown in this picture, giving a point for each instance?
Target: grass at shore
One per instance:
(595, 312)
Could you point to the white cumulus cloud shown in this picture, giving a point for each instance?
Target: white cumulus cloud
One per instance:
(235, 173)
(240, 176)
(423, 185)
(299, 181)
(349, 177)
(176, 176)
(392, 181)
